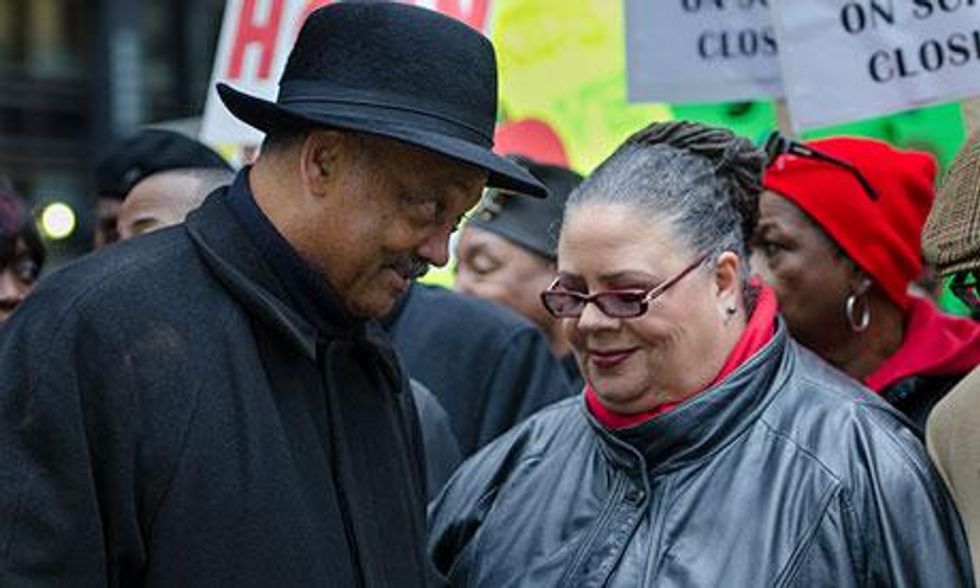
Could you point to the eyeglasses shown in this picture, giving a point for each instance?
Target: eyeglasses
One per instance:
(777, 144)
(613, 303)
(965, 286)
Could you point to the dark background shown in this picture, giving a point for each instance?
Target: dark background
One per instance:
(76, 74)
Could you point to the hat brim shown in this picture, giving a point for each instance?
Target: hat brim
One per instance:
(265, 116)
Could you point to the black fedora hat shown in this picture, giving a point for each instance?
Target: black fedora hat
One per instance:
(394, 70)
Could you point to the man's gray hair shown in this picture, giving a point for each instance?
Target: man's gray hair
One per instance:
(705, 181)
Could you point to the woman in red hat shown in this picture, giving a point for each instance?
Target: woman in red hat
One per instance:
(839, 240)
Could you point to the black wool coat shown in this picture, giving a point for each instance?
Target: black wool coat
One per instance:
(167, 419)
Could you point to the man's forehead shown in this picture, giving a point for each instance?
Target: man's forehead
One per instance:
(425, 162)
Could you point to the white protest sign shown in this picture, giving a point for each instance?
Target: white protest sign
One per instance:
(701, 50)
(256, 37)
(845, 60)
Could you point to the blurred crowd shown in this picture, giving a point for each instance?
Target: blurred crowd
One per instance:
(705, 363)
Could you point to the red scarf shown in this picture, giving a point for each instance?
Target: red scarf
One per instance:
(935, 344)
(758, 331)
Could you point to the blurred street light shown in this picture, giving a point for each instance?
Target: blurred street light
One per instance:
(57, 221)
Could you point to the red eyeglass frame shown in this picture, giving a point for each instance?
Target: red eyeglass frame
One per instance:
(644, 303)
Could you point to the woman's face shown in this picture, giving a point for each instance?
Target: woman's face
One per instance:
(673, 350)
(17, 277)
(810, 275)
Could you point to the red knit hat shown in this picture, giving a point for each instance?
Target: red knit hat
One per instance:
(882, 236)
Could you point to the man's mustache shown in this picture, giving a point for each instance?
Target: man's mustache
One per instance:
(411, 266)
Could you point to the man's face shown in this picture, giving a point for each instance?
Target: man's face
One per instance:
(390, 213)
(106, 209)
(159, 201)
(489, 266)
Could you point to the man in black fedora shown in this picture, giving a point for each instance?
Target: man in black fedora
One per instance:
(213, 404)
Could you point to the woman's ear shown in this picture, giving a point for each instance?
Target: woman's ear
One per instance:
(860, 283)
(727, 268)
(727, 284)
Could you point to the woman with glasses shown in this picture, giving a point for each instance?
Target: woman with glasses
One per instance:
(839, 241)
(707, 449)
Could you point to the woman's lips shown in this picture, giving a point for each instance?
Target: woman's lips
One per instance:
(609, 359)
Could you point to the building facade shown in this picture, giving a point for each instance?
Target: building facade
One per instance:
(77, 74)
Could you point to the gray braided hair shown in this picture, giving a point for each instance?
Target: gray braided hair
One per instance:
(704, 180)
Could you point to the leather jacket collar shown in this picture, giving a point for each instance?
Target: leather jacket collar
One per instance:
(704, 424)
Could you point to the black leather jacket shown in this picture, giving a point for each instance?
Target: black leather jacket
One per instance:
(787, 473)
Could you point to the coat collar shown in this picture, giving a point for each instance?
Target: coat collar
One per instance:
(245, 272)
(306, 289)
(707, 422)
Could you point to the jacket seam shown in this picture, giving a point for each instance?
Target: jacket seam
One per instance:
(849, 515)
(802, 449)
(585, 549)
(897, 448)
(799, 554)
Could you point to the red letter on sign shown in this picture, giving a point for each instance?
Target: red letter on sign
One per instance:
(476, 16)
(249, 32)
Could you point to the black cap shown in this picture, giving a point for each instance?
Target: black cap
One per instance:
(148, 152)
(529, 222)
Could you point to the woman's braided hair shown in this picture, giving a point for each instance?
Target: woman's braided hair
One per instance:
(704, 180)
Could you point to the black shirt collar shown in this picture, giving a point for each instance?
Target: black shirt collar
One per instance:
(308, 291)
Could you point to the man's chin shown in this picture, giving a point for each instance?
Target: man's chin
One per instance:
(378, 306)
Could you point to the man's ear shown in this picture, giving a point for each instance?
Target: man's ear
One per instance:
(320, 159)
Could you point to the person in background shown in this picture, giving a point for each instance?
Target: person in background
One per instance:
(214, 404)
(106, 211)
(164, 199)
(506, 252)
(839, 241)
(22, 252)
(951, 241)
(489, 367)
(153, 178)
(709, 449)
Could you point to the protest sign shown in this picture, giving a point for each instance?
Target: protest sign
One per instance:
(845, 60)
(701, 50)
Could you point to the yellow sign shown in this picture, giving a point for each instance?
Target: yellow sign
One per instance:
(564, 63)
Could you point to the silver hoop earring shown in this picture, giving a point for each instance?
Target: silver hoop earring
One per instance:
(858, 325)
